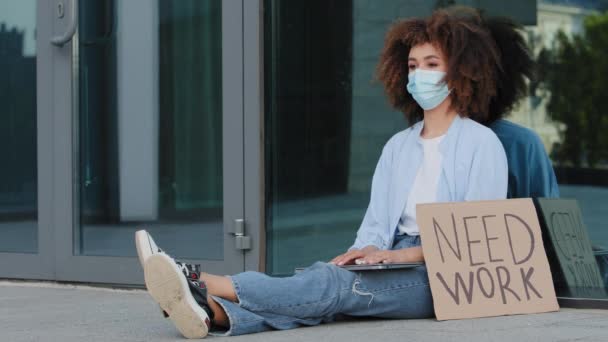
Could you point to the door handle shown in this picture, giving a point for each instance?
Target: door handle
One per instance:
(72, 26)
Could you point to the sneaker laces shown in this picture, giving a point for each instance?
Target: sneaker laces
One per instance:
(184, 268)
(190, 271)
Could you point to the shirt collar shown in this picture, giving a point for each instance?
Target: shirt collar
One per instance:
(449, 136)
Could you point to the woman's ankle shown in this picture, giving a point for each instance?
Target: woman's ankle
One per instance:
(220, 318)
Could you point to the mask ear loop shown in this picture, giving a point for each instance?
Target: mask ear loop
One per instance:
(446, 83)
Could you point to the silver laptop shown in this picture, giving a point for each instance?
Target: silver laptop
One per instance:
(374, 267)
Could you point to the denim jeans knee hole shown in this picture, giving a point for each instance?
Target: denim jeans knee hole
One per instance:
(362, 293)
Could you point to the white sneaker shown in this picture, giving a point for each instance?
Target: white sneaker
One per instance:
(169, 288)
(146, 246)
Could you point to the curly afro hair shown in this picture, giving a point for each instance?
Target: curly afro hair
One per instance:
(517, 66)
(487, 62)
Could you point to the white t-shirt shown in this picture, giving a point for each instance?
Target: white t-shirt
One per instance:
(424, 189)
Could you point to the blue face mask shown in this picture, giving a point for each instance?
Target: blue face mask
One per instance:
(427, 87)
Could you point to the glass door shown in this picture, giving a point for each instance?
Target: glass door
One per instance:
(148, 135)
(25, 140)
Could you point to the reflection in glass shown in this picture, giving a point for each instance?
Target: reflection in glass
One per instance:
(574, 266)
(566, 110)
(150, 123)
(326, 122)
(18, 131)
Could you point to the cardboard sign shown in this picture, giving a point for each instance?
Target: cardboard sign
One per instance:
(576, 272)
(485, 258)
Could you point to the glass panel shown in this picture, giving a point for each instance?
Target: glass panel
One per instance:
(326, 122)
(566, 110)
(18, 132)
(150, 127)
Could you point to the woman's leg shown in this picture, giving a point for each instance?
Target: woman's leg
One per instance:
(320, 293)
(219, 315)
(264, 303)
(397, 293)
(220, 286)
(324, 290)
(310, 297)
(252, 302)
(400, 293)
(317, 292)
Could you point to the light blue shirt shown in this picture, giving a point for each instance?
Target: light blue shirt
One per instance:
(474, 168)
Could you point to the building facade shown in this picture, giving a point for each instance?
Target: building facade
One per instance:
(242, 134)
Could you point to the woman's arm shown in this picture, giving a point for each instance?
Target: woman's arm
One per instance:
(374, 227)
(411, 254)
(489, 177)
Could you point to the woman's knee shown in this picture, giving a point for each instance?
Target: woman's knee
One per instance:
(332, 272)
(407, 303)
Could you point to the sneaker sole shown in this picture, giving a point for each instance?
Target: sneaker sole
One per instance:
(144, 248)
(167, 285)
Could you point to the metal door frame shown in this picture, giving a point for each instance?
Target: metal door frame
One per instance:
(126, 270)
(40, 265)
(253, 111)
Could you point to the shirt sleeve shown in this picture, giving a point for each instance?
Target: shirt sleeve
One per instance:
(374, 225)
(488, 178)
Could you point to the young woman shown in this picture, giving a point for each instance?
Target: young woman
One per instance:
(442, 73)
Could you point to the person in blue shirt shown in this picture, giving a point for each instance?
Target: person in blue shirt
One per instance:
(530, 170)
(442, 73)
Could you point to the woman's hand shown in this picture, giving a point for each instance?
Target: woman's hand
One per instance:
(385, 256)
(352, 255)
(413, 254)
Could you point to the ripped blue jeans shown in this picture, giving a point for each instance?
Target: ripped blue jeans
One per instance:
(323, 291)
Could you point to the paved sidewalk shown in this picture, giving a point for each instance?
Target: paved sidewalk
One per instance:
(49, 312)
